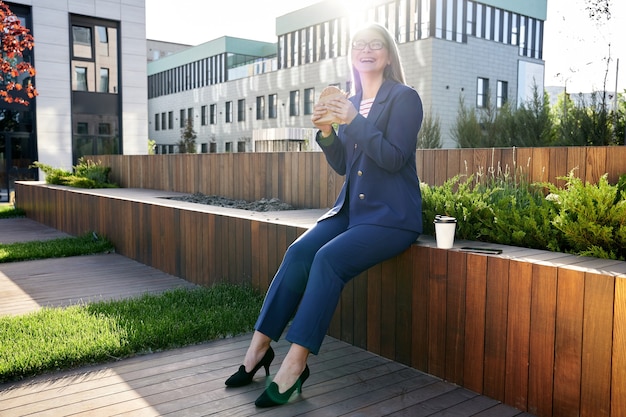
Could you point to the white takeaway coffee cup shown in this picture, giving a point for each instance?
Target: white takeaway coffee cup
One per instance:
(445, 228)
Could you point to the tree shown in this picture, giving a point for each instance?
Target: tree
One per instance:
(187, 143)
(599, 9)
(532, 122)
(15, 73)
(467, 132)
(429, 136)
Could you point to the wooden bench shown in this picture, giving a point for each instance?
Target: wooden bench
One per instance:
(542, 331)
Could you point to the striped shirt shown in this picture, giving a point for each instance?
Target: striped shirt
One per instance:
(366, 105)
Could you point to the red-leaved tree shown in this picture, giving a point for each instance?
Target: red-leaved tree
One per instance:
(15, 73)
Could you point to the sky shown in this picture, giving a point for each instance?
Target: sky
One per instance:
(576, 48)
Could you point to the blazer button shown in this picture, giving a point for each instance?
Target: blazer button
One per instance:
(359, 173)
(355, 145)
(362, 196)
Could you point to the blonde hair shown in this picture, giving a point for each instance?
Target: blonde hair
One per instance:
(394, 70)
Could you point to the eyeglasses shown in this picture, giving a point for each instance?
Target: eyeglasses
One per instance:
(374, 45)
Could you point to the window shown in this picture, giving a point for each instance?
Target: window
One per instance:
(94, 48)
(104, 80)
(502, 93)
(228, 146)
(102, 34)
(82, 128)
(309, 100)
(212, 114)
(104, 129)
(170, 120)
(273, 106)
(156, 122)
(241, 110)
(482, 92)
(260, 108)
(81, 38)
(163, 121)
(181, 123)
(204, 115)
(189, 116)
(229, 111)
(294, 103)
(81, 79)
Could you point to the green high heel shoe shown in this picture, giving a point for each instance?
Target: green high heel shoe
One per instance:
(242, 378)
(271, 397)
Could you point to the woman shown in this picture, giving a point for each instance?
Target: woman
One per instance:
(376, 216)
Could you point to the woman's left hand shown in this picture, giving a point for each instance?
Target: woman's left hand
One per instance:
(342, 109)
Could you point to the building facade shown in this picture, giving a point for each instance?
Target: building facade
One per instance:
(481, 52)
(90, 58)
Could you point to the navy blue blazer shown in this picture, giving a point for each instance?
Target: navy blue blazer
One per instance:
(377, 156)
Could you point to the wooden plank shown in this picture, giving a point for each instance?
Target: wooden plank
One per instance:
(211, 253)
(374, 308)
(541, 164)
(542, 328)
(597, 345)
(518, 334)
(577, 161)
(265, 273)
(455, 316)
(496, 327)
(360, 315)
(437, 303)
(618, 362)
(568, 342)
(322, 170)
(404, 324)
(302, 186)
(454, 163)
(616, 163)
(347, 313)
(558, 166)
(525, 163)
(475, 310)
(388, 310)
(596, 164)
(441, 167)
(420, 297)
(428, 167)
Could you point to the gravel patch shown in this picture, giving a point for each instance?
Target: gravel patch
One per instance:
(263, 204)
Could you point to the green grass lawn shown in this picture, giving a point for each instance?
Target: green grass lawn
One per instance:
(87, 244)
(60, 338)
(7, 210)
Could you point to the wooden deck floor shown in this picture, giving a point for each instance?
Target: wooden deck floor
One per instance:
(345, 380)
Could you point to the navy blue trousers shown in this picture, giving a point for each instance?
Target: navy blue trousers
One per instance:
(313, 272)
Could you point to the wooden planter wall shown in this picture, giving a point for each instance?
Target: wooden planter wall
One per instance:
(304, 179)
(544, 332)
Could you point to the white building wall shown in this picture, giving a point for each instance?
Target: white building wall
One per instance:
(53, 82)
(317, 75)
(441, 71)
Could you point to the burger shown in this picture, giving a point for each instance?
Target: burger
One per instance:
(327, 94)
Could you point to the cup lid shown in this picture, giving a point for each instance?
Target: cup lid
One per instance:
(444, 219)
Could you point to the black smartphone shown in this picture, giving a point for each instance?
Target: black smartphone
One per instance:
(491, 251)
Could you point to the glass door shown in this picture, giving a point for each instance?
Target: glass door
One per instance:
(16, 157)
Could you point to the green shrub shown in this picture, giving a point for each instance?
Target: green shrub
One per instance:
(583, 219)
(591, 217)
(87, 174)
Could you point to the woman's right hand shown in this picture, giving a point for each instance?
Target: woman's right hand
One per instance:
(320, 110)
